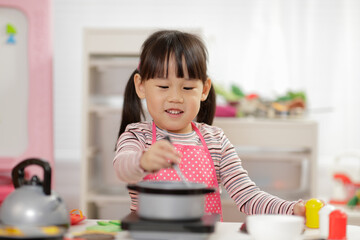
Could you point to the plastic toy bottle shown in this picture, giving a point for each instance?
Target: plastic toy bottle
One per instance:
(324, 220)
(337, 225)
(312, 212)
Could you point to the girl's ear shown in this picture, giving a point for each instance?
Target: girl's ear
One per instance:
(139, 86)
(206, 89)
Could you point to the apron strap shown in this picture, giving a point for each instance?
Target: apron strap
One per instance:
(153, 140)
(199, 134)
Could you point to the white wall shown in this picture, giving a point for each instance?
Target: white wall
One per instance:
(266, 46)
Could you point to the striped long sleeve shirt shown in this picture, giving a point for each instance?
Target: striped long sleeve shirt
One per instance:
(249, 199)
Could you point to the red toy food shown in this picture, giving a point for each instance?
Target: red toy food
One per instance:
(75, 218)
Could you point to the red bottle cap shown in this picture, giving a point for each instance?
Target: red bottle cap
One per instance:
(337, 225)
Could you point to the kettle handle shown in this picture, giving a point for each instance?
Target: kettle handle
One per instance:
(18, 173)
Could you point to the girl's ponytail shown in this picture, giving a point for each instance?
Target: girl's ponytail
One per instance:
(207, 108)
(132, 107)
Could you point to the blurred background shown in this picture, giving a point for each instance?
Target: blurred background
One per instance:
(265, 48)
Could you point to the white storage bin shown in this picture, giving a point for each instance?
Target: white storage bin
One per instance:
(281, 176)
(108, 128)
(111, 74)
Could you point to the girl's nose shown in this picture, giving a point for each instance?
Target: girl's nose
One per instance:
(175, 96)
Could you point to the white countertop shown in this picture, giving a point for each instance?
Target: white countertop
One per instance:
(223, 230)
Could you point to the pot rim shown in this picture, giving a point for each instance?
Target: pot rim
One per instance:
(156, 188)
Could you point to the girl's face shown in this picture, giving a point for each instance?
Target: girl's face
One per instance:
(173, 102)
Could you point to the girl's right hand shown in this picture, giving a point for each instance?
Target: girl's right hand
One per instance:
(161, 154)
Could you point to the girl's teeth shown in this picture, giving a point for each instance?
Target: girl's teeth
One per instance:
(173, 112)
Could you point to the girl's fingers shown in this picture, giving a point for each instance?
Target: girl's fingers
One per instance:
(161, 155)
(171, 158)
(167, 159)
(167, 152)
(162, 160)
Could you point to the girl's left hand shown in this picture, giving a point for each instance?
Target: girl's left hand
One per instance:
(299, 209)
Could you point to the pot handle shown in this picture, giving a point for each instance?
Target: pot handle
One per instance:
(18, 173)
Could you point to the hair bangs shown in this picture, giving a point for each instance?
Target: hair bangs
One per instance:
(188, 53)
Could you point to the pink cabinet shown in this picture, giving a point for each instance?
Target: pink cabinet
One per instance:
(26, 95)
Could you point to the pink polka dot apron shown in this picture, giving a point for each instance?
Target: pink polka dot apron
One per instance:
(197, 166)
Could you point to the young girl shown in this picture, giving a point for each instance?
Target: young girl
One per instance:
(172, 78)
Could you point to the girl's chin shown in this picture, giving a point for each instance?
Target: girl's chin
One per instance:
(182, 129)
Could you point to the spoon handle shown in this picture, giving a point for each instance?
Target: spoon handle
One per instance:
(181, 175)
(177, 169)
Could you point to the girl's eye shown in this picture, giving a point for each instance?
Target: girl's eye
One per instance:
(163, 87)
(188, 88)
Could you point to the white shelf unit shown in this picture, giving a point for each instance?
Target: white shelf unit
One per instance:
(280, 156)
(109, 56)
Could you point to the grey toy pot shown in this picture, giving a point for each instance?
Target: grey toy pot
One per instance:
(166, 200)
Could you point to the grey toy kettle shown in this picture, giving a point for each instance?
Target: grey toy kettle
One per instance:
(32, 203)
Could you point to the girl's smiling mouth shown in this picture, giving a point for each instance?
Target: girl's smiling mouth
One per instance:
(174, 111)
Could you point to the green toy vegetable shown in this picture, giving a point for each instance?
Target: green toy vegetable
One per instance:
(353, 202)
(228, 95)
(291, 96)
(237, 91)
(106, 226)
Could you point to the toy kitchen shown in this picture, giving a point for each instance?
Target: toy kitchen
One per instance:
(25, 86)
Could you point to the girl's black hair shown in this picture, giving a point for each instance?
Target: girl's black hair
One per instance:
(156, 51)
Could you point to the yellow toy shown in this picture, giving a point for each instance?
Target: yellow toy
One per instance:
(312, 212)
